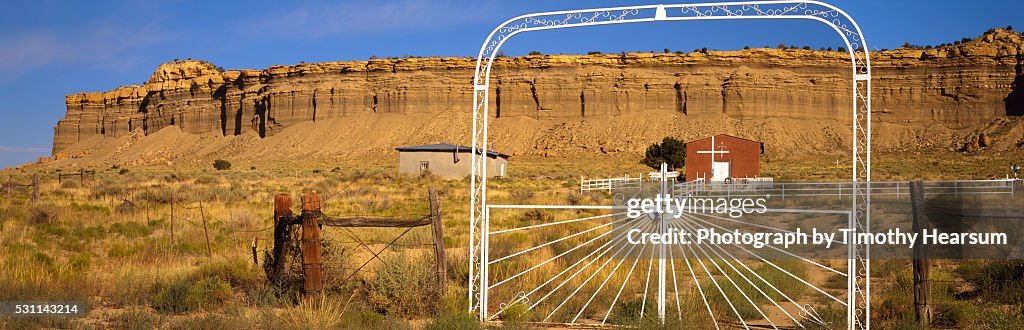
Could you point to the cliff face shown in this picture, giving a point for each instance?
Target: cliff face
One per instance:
(923, 99)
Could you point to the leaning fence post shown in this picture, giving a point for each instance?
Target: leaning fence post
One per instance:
(170, 221)
(282, 213)
(440, 259)
(202, 213)
(923, 308)
(311, 248)
(35, 188)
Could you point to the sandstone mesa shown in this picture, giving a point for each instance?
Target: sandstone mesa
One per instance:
(954, 98)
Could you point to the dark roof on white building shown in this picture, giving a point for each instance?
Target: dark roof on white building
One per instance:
(446, 147)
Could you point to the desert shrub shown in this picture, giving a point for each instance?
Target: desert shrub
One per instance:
(236, 272)
(538, 216)
(405, 286)
(453, 321)
(958, 314)
(79, 261)
(574, 198)
(171, 178)
(209, 321)
(189, 293)
(131, 229)
(628, 312)
(121, 250)
(137, 318)
(515, 313)
(521, 196)
(43, 214)
(221, 165)
(360, 317)
(108, 188)
(207, 178)
(995, 318)
(999, 281)
(69, 184)
(157, 194)
(122, 171)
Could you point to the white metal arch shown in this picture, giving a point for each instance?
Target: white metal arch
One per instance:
(858, 297)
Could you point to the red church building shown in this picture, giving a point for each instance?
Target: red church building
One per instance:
(719, 157)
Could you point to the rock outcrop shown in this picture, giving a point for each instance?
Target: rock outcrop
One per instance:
(923, 98)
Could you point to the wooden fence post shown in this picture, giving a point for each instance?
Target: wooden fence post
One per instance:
(209, 251)
(35, 188)
(923, 308)
(171, 220)
(311, 248)
(10, 184)
(282, 212)
(255, 259)
(81, 176)
(440, 259)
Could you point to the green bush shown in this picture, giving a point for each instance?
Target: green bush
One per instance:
(453, 321)
(515, 313)
(235, 272)
(628, 313)
(1000, 281)
(221, 164)
(958, 314)
(404, 286)
(671, 151)
(189, 293)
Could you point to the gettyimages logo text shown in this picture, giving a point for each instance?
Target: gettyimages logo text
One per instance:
(676, 207)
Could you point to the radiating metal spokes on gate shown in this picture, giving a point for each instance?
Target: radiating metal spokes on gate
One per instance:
(583, 268)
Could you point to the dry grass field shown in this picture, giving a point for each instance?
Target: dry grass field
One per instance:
(113, 243)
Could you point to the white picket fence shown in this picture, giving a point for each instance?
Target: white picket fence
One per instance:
(625, 182)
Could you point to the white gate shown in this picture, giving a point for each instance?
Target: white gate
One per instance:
(857, 301)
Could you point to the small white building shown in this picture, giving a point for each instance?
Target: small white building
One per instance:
(446, 160)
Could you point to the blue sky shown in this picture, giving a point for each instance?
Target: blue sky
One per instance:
(53, 48)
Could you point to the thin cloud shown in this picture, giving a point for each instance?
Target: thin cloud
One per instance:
(23, 150)
(102, 45)
(323, 20)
